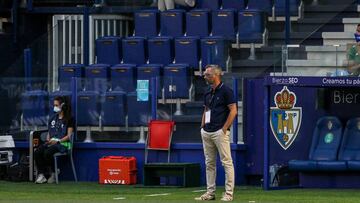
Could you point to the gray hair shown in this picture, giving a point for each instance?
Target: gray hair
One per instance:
(216, 68)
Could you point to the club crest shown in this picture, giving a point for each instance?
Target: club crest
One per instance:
(285, 118)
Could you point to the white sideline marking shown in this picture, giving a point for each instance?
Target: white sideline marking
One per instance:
(199, 191)
(251, 201)
(118, 198)
(154, 195)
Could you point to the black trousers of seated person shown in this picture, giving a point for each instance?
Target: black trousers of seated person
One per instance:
(44, 158)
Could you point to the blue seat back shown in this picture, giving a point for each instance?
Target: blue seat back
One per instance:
(177, 81)
(187, 51)
(208, 4)
(172, 23)
(223, 23)
(233, 4)
(66, 72)
(108, 50)
(350, 146)
(134, 50)
(147, 23)
(262, 5)
(149, 71)
(87, 108)
(214, 50)
(139, 112)
(326, 139)
(123, 77)
(96, 77)
(197, 23)
(160, 50)
(34, 105)
(113, 108)
(280, 8)
(250, 26)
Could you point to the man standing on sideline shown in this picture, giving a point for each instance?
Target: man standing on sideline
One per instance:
(219, 113)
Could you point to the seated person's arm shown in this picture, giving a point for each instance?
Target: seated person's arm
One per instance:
(70, 131)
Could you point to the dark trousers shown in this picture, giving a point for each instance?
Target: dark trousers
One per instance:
(44, 157)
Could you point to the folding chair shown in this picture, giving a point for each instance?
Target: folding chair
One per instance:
(159, 136)
(69, 154)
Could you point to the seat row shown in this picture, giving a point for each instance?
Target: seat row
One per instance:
(278, 6)
(174, 78)
(113, 108)
(245, 26)
(332, 149)
(163, 50)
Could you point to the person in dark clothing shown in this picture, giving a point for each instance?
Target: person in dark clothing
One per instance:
(60, 128)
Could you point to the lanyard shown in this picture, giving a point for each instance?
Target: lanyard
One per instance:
(211, 101)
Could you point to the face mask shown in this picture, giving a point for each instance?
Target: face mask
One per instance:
(357, 37)
(57, 109)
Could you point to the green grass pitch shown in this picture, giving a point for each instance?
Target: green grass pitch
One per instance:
(93, 192)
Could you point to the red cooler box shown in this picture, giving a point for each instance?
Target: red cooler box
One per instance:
(117, 170)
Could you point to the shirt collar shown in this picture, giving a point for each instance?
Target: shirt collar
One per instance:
(219, 86)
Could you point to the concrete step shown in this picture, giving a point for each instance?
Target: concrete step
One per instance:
(331, 11)
(340, 38)
(328, 2)
(309, 25)
(350, 24)
(312, 67)
(266, 53)
(303, 38)
(326, 53)
(315, 63)
(256, 68)
(261, 53)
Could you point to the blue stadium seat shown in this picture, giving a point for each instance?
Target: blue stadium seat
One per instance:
(160, 50)
(280, 7)
(139, 112)
(66, 72)
(134, 50)
(96, 77)
(262, 5)
(147, 23)
(214, 50)
(324, 148)
(197, 23)
(149, 71)
(208, 4)
(87, 108)
(250, 26)
(350, 146)
(123, 77)
(52, 96)
(108, 50)
(34, 105)
(172, 23)
(223, 23)
(187, 51)
(233, 4)
(113, 109)
(177, 81)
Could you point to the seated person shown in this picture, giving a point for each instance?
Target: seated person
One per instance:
(353, 55)
(170, 4)
(60, 128)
